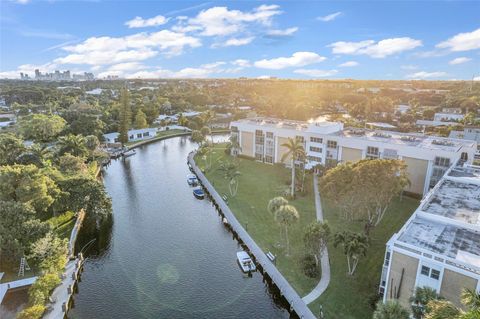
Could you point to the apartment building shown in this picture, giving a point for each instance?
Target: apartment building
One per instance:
(439, 246)
(427, 157)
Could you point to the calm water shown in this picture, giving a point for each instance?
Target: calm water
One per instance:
(167, 254)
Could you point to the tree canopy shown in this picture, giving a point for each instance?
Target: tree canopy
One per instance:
(41, 127)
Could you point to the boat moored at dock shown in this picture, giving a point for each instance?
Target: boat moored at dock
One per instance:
(246, 263)
(198, 192)
(192, 180)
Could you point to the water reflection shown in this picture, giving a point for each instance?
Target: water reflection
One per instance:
(167, 255)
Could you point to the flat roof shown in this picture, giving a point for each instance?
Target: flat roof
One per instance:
(449, 240)
(455, 200)
(414, 140)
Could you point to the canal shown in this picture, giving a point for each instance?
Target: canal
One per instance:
(167, 254)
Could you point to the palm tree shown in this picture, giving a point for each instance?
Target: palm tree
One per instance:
(234, 145)
(390, 310)
(471, 299)
(73, 144)
(295, 150)
(354, 245)
(231, 173)
(275, 203)
(285, 216)
(422, 296)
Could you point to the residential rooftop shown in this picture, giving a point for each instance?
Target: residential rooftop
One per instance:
(455, 200)
(389, 137)
(447, 222)
(444, 239)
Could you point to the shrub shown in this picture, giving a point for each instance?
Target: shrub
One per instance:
(33, 312)
(309, 266)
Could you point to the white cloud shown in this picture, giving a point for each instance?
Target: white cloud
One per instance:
(264, 77)
(374, 49)
(348, 64)
(139, 22)
(342, 47)
(29, 69)
(426, 75)
(135, 47)
(282, 33)
(477, 78)
(21, 1)
(220, 21)
(330, 17)
(241, 63)
(234, 42)
(316, 73)
(296, 60)
(462, 42)
(459, 60)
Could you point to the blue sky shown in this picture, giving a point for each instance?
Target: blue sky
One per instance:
(287, 39)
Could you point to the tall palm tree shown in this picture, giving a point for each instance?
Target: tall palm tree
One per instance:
(285, 216)
(390, 310)
(235, 144)
(354, 245)
(295, 151)
(422, 296)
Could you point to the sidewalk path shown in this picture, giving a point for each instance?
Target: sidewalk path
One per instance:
(324, 262)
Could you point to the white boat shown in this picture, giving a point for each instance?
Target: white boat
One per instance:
(199, 193)
(245, 262)
(192, 180)
(129, 153)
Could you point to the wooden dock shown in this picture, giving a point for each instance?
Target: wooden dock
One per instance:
(297, 305)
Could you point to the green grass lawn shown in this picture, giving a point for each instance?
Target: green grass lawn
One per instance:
(348, 297)
(257, 185)
(63, 224)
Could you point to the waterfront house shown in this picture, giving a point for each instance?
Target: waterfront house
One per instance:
(133, 135)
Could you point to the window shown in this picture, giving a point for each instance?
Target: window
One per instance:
(464, 156)
(442, 161)
(435, 274)
(258, 157)
(387, 258)
(139, 135)
(332, 144)
(372, 150)
(425, 271)
(234, 129)
(268, 159)
(259, 137)
(316, 139)
(315, 149)
(315, 159)
(146, 134)
(131, 137)
(300, 139)
(269, 135)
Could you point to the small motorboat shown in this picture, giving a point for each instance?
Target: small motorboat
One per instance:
(245, 262)
(128, 153)
(198, 193)
(192, 180)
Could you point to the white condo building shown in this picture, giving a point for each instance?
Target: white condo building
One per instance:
(427, 157)
(439, 246)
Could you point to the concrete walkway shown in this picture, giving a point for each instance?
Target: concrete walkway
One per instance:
(324, 262)
(61, 294)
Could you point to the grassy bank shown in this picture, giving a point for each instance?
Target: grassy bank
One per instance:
(258, 184)
(349, 297)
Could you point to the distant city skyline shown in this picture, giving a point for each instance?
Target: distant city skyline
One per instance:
(188, 39)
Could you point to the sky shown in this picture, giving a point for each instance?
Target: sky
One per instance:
(389, 40)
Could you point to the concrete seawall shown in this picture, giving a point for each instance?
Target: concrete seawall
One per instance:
(297, 305)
